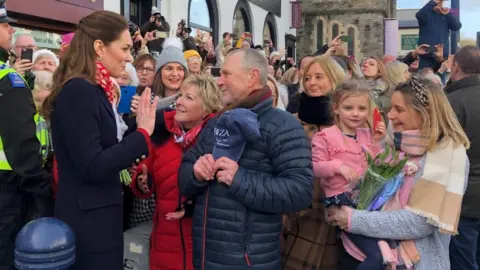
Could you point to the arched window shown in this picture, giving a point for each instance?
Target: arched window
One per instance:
(320, 37)
(335, 30)
(351, 41)
(270, 30)
(242, 19)
(203, 18)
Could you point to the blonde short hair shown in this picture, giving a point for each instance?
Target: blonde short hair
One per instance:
(332, 69)
(208, 91)
(276, 91)
(289, 77)
(395, 74)
(43, 80)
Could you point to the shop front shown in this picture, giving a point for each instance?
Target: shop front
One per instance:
(50, 16)
(43, 39)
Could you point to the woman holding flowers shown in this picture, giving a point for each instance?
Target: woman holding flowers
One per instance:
(422, 213)
(338, 158)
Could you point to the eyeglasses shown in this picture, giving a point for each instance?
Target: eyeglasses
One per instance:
(144, 69)
(195, 60)
(23, 47)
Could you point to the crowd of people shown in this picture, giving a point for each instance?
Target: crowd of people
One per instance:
(237, 155)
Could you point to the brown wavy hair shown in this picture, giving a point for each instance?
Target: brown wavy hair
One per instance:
(79, 59)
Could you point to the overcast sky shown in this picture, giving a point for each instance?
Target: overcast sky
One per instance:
(468, 10)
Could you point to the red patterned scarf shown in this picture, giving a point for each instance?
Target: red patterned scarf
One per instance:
(182, 137)
(103, 79)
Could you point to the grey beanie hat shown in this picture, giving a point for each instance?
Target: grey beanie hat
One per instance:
(172, 53)
(155, 10)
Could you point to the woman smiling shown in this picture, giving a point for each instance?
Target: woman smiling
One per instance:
(425, 209)
(171, 239)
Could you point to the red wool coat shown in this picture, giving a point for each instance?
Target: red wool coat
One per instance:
(171, 240)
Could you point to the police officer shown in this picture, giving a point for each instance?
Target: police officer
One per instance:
(24, 183)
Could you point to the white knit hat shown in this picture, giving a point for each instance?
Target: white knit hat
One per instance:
(172, 53)
(45, 52)
(132, 73)
(155, 10)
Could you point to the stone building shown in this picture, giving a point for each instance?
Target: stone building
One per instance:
(361, 20)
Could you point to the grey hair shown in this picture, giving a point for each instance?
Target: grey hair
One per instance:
(432, 77)
(253, 59)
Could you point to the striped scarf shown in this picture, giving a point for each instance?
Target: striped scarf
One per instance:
(435, 194)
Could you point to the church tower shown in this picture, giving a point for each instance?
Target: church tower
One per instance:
(361, 20)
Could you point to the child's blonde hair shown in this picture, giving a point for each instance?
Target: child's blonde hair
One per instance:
(438, 118)
(352, 87)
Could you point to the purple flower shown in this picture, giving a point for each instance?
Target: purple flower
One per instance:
(389, 159)
(377, 162)
(401, 156)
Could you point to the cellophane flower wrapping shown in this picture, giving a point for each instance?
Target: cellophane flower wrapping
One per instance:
(382, 168)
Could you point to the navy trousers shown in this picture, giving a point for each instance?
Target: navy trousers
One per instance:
(369, 246)
(463, 247)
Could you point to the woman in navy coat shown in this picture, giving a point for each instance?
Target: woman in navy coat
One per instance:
(84, 133)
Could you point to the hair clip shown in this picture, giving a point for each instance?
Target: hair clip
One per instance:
(420, 90)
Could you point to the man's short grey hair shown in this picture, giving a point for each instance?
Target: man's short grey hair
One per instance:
(253, 59)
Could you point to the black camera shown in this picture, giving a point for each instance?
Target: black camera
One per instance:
(133, 29)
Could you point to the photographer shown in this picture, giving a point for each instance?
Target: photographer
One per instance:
(156, 23)
(139, 42)
(183, 32)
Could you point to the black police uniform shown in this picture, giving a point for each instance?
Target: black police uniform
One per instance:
(28, 184)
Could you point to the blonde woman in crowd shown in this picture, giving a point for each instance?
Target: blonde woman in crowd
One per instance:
(309, 240)
(322, 75)
(396, 72)
(176, 131)
(373, 70)
(289, 77)
(276, 95)
(425, 210)
(171, 71)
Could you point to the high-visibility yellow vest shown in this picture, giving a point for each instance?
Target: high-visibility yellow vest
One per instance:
(42, 130)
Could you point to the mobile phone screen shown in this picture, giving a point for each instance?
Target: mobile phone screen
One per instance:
(127, 93)
(27, 54)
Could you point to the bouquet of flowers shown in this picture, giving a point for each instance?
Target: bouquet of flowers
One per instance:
(382, 169)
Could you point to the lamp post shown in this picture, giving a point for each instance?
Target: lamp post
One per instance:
(455, 9)
(478, 39)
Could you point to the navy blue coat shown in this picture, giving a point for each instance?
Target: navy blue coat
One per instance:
(238, 228)
(89, 195)
(435, 29)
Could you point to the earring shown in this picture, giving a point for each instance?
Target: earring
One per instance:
(99, 58)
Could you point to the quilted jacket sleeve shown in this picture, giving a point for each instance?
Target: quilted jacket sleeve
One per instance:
(189, 186)
(291, 189)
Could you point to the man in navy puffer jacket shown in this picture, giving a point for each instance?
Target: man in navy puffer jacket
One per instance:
(435, 22)
(239, 205)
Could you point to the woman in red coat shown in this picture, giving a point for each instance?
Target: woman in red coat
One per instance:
(171, 239)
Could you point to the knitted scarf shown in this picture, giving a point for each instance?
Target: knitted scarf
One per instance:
(435, 194)
(103, 79)
(182, 137)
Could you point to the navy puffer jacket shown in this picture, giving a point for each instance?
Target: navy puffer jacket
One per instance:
(239, 227)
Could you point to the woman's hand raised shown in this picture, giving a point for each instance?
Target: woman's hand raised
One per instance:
(147, 111)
